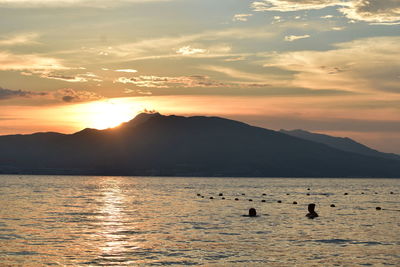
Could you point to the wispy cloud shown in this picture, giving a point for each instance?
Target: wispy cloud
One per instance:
(291, 38)
(293, 5)
(168, 82)
(194, 81)
(70, 95)
(19, 39)
(137, 92)
(157, 48)
(188, 51)
(127, 70)
(247, 77)
(72, 78)
(65, 95)
(364, 65)
(65, 78)
(10, 61)
(8, 94)
(241, 17)
(373, 11)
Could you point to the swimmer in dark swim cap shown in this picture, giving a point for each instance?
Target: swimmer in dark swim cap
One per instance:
(252, 213)
(311, 211)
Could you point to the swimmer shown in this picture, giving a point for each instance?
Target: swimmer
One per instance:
(311, 211)
(252, 213)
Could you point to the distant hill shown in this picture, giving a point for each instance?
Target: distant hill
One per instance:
(153, 144)
(342, 143)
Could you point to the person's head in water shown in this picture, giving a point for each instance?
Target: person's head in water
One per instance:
(252, 212)
(311, 211)
(311, 208)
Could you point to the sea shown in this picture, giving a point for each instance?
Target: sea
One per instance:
(165, 221)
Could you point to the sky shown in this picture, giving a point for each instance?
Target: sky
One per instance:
(327, 66)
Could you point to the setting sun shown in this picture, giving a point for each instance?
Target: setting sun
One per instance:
(108, 114)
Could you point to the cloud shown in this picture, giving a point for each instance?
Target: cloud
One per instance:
(20, 39)
(9, 61)
(70, 95)
(72, 78)
(157, 48)
(138, 92)
(65, 78)
(241, 17)
(233, 59)
(291, 38)
(364, 65)
(8, 94)
(188, 51)
(248, 80)
(247, 77)
(293, 5)
(168, 82)
(66, 95)
(127, 70)
(372, 11)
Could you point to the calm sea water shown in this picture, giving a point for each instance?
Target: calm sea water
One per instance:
(135, 221)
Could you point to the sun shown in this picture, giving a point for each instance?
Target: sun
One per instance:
(107, 114)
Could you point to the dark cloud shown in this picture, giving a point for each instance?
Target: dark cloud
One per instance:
(8, 93)
(70, 95)
(66, 95)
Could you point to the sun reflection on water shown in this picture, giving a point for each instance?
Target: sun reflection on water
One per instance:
(115, 222)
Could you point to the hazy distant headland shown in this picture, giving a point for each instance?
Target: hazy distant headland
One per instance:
(157, 145)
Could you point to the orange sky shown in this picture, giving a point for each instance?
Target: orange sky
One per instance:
(324, 66)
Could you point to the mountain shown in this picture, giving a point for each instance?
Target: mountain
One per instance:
(341, 143)
(153, 144)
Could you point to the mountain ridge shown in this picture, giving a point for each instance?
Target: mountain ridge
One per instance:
(185, 146)
(342, 143)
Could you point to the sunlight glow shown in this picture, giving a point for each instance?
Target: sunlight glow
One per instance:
(108, 114)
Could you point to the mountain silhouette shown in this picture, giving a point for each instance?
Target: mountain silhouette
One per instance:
(341, 143)
(153, 144)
